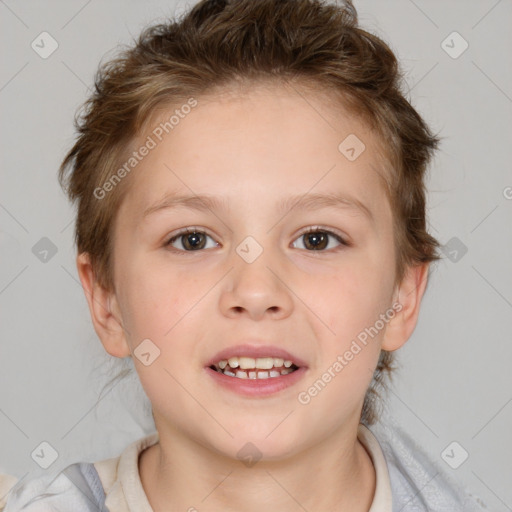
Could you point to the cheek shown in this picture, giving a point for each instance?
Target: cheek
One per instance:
(352, 298)
(153, 300)
(165, 306)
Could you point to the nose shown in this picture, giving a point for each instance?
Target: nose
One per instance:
(258, 289)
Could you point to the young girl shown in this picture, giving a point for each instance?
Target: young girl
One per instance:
(251, 231)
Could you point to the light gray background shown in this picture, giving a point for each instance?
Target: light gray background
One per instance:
(455, 383)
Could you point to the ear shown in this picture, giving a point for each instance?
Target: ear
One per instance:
(408, 294)
(104, 310)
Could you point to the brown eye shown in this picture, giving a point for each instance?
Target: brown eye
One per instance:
(190, 240)
(318, 239)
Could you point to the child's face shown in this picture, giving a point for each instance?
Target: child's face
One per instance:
(253, 153)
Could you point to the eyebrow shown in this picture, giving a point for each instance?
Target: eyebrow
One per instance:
(305, 201)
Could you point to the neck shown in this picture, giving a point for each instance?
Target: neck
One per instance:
(180, 474)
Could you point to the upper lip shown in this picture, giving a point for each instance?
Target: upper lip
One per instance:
(255, 351)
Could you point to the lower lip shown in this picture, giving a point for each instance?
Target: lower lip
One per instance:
(257, 387)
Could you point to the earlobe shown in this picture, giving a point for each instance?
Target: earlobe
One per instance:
(101, 302)
(409, 295)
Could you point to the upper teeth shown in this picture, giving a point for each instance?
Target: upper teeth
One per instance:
(263, 363)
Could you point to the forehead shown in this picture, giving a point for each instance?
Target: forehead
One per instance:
(267, 141)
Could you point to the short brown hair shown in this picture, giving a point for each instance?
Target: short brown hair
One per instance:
(309, 43)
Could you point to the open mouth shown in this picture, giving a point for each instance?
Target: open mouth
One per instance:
(250, 368)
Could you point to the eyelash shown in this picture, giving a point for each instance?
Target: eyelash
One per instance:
(313, 229)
